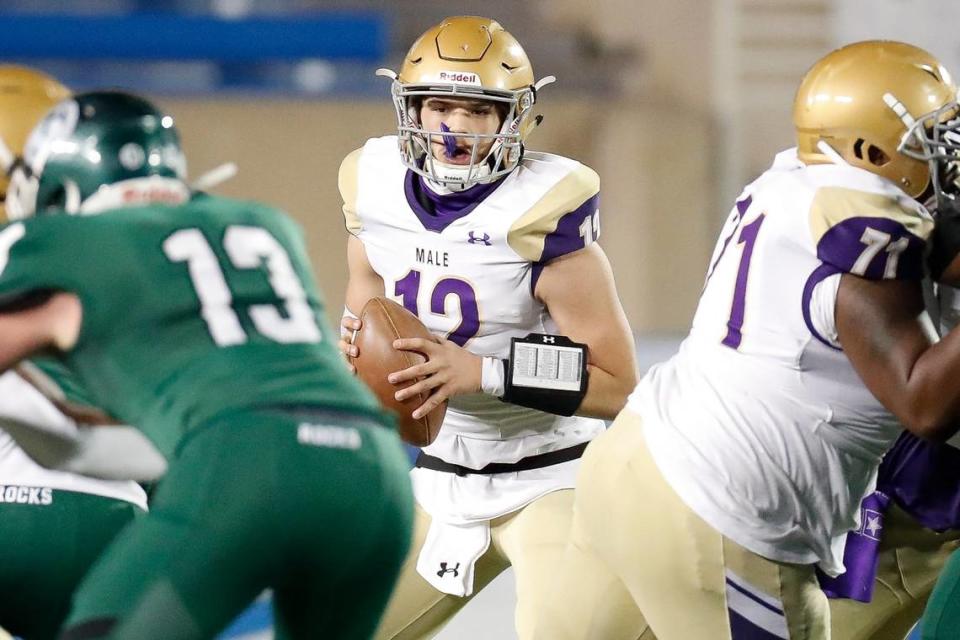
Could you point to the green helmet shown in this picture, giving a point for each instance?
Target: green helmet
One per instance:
(96, 151)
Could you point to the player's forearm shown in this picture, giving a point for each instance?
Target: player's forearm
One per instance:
(19, 339)
(931, 402)
(606, 393)
(886, 333)
(917, 381)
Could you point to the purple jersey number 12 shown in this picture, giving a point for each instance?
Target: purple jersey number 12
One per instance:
(748, 238)
(408, 288)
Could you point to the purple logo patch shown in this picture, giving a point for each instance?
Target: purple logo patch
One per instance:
(483, 238)
(872, 524)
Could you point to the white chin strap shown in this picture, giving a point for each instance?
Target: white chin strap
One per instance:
(831, 153)
(451, 177)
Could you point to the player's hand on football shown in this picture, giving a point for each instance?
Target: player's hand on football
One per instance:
(450, 370)
(349, 326)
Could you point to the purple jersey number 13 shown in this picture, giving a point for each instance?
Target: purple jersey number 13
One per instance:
(748, 238)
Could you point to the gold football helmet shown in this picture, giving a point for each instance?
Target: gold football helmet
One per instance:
(465, 57)
(25, 96)
(887, 107)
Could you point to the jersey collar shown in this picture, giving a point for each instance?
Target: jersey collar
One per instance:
(435, 211)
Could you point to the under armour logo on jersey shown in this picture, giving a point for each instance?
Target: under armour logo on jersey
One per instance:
(484, 239)
(549, 340)
(444, 571)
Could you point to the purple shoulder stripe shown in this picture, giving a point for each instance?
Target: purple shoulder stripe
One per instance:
(873, 247)
(574, 231)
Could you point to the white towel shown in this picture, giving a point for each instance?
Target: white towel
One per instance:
(449, 554)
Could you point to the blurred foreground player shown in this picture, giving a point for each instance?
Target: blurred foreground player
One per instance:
(739, 464)
(487, 242)
(54, 523)
(196, 318)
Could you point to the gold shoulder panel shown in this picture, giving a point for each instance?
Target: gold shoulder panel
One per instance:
(528, 233)
(347, 181)
(833, 205)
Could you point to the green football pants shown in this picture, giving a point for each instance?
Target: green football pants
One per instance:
(941, 620)
(48, 541)
(316, 506)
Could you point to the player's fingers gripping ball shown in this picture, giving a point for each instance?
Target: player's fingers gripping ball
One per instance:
(383, 321)
(349, 325)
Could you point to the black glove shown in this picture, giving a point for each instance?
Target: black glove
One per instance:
(945, 239)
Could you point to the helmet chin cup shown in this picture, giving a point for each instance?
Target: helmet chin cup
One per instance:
(454, 177)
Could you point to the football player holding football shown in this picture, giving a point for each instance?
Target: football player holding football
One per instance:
(739, 464)
(55, 523)
(196, 318)
(493, 246)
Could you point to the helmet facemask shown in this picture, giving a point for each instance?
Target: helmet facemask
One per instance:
(416, 142)
(21, 200)
(933, 138)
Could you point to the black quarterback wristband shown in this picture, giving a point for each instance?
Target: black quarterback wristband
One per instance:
(547, 373)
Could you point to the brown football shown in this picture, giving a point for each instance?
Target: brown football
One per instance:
(383, 321)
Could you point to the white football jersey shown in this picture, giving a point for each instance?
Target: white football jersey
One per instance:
(20, 400)
(469, 275)
(760, 423)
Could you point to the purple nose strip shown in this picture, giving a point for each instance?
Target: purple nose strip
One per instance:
(449, 142)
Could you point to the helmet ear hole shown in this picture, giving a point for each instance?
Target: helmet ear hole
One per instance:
(876, 156)
(858, 148)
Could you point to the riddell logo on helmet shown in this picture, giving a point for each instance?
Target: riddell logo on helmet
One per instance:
(459, 77)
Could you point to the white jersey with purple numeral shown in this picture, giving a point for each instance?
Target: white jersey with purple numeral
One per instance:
(469, 273)
(760, 423)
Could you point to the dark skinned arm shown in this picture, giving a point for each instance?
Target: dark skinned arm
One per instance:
(884, 332)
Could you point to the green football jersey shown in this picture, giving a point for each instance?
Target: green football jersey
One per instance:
(190, 312)
(64, 380)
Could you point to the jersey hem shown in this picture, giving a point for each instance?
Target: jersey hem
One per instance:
(724, 526)
(443, 515)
